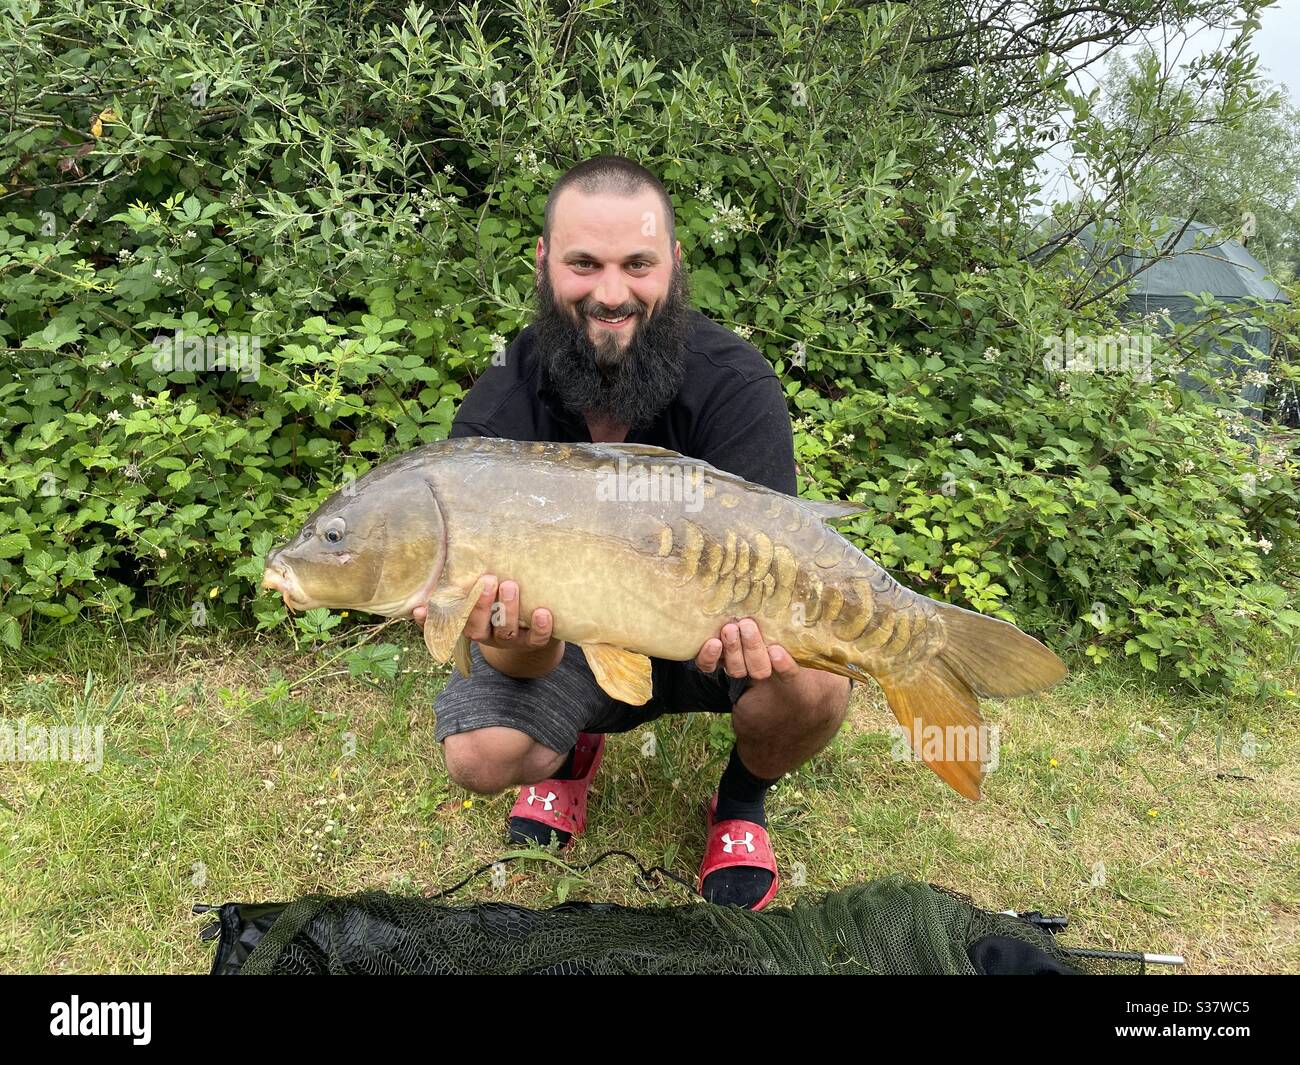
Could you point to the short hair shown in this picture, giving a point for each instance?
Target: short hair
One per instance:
(612, 174)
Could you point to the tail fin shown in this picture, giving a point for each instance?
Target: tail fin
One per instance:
(993, 656)
(981, 656)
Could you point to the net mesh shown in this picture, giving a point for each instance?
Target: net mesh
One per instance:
(887, 926)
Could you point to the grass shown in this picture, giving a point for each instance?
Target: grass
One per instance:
(240, 770)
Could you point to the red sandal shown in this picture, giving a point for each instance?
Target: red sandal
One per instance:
(738, 843)
(562, 804)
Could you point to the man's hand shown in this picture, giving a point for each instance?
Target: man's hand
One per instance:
(742, 652)
(527, 651)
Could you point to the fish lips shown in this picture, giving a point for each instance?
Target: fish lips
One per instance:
(281, 579)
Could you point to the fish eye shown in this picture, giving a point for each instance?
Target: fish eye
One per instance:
(333, 530)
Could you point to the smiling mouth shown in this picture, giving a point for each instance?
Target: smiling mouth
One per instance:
(611, 322)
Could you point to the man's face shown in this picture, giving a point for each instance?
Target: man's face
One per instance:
(609, 264)
(611, 306)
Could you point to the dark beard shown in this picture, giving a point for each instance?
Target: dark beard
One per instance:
(628, 386)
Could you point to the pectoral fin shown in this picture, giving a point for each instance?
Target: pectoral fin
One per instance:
(444, 627)
(623, 675)
(461, 655)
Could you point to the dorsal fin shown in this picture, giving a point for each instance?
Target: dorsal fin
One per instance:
(638, 449)
(832, 509)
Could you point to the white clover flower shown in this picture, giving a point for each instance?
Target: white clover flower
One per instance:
(991, 354)
(1064, 388)
(449, 169)
(107, 364)
(137, 399)
(114, 416)
(957, 438)
(498, 341)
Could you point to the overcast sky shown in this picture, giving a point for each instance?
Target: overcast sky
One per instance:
(1277, 43)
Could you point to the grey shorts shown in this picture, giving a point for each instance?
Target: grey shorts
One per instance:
(553, 709)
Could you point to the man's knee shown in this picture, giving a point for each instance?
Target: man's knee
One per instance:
(832, 700)
(819, 702)
(824, 701)
(489, 760)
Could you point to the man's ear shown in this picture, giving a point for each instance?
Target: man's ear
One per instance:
(539, 256)
(677, 254)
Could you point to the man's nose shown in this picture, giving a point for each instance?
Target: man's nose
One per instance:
(612, 291)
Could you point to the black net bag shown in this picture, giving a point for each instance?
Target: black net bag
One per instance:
(890, 926)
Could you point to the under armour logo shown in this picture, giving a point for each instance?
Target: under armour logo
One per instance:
(747, 842)
(546, 802)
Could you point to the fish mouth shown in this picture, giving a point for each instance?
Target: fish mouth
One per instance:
(282, 581)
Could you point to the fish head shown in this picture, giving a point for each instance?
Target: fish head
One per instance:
(373, 546)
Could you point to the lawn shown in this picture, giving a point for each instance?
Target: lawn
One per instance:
(237, 768)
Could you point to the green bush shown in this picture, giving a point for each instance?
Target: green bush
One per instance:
(359, 196)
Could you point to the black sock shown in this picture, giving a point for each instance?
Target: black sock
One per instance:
(565, 771)
(740, 795)
(526, 830)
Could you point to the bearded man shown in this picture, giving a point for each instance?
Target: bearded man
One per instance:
(616, 354)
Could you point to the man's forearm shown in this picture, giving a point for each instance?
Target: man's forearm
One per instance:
(524, 664)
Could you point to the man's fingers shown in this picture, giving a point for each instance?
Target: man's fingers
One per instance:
(478, 624)
(539, 633)
(707, 660)
(757, 664)
(733, 655)
(783, 666)
(505, 615)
